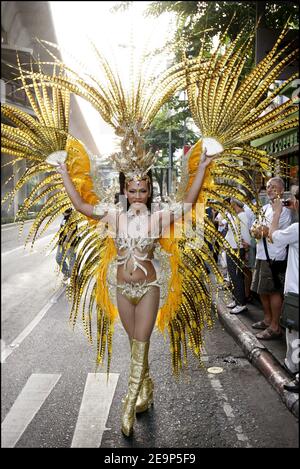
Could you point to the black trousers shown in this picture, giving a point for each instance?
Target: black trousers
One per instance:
(237, 279)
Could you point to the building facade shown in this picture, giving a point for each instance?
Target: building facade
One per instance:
(21, 23)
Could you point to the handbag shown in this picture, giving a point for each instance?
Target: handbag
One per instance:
(290, 312)
(277, 267)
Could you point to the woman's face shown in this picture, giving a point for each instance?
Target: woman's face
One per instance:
(137, 193)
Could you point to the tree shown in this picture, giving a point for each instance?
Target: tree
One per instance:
(170, 128)
(194, 19)
(175, 116)
(214, 18)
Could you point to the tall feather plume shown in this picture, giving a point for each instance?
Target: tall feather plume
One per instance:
(129, 110)
(234, 111)
(31, 138)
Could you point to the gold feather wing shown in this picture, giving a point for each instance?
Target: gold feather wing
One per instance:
(32, 138)
(130, 112)
(233, 111)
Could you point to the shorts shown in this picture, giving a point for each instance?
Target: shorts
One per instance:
(262, 279)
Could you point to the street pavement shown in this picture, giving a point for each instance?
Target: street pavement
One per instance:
(52, 397)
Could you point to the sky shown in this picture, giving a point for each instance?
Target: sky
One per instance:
(112, 33)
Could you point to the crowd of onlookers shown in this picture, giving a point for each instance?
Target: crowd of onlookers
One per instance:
(268, 247)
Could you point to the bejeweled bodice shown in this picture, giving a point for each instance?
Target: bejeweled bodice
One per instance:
(133, 241)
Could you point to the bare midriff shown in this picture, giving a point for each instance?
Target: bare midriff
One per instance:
(137, 275)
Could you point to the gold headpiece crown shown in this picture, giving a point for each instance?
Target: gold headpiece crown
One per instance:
(133, 160)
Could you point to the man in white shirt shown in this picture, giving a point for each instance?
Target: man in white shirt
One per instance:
(289, 237)
(238, 237)
(264, 282)
(251, 254)
(250, 214)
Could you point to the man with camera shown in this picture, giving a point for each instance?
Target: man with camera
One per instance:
(270, 264)
(290, 312)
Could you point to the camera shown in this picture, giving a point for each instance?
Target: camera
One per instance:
(286, 203)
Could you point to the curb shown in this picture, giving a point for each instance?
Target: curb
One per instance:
(260, 357)
(16, 223)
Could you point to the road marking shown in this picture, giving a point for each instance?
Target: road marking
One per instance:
(96, 402)
(7, 351)
(228, 410)
(24, 248)
(27, 404)
(14, 226)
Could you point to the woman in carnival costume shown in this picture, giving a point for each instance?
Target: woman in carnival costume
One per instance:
(131, 261)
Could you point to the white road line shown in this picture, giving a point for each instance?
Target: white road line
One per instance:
(16, 225)
(13, 226)
(23, 247)
(228, 410)
(96, 402)
(7, 351)
(13, 250)
(28, 403)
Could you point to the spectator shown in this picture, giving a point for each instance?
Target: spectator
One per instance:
(265, 283)
(237, 230)
(289, 237)
(221, 225)
(66, 256)
(251, 255)
(250, 214)
(209, 214)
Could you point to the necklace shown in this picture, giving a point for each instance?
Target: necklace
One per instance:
(137, 220)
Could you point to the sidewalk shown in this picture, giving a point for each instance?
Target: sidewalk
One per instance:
(268, 355)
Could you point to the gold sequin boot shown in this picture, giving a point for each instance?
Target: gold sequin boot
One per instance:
(145, 397)
(139, 353)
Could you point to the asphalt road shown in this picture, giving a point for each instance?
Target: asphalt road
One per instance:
(51, 397)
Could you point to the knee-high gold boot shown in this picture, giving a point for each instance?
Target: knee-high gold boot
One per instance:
(145, 397)
(139, 352)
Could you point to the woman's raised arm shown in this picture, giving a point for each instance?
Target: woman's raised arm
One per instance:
(167, 217)
(193, 193)
(79, 204)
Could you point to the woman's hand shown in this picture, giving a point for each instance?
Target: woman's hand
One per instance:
(62, 169)
(206, 160)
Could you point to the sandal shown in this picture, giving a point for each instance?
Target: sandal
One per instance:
(260, 325)
(269, 334)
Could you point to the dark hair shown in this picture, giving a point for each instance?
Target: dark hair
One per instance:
(122, 188)
(67, 212)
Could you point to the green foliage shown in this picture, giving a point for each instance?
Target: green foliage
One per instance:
(120, 6)
(196, 20)
(174, 128)
(199, 22)
(204, 20)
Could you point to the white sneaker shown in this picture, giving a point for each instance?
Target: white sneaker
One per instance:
(231, 305)
(238, 309)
